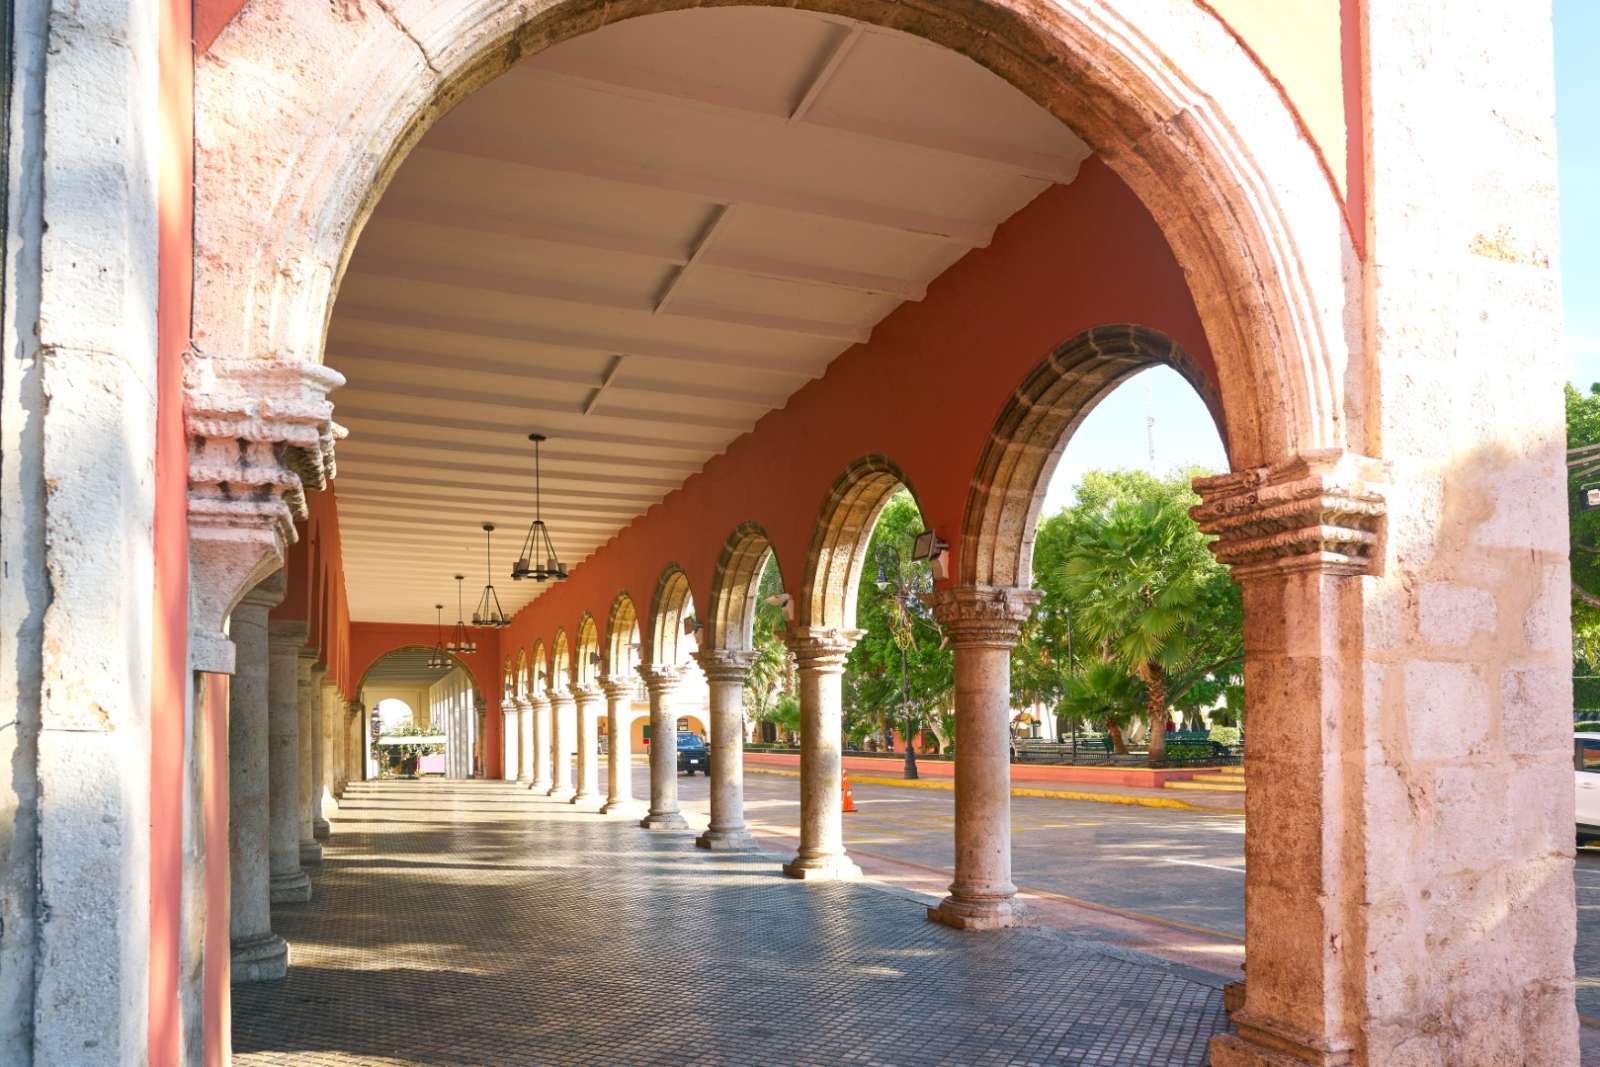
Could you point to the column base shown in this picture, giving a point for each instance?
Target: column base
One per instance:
(320, 830)
(310, 853)
(836, 867)
(666, 820)
(726, 840)
(978, 914)
(541, 786)
(627, 806)
(259, 959)
(291, 888)
(587, 798)
(524, 781)
(564, 796)
(1254, 1046)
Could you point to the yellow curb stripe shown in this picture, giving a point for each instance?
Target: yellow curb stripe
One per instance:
(948, 784)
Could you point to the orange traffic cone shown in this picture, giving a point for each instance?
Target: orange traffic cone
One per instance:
(849, 799)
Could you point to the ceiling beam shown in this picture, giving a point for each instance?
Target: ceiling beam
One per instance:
(556, 159)
(606, 379)
(638, 83)
(801, 368)
(484, 220)
(572, 465)
(519, 475)
(377, 387)
(719, 218)
(489, 281)
(432, 421)
(819, 81)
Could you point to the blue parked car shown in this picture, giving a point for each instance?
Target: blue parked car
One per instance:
(693, 755)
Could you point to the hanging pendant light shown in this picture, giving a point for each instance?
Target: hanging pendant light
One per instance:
(461, 642)
(488, 612)
(537, 544)
(438, 658)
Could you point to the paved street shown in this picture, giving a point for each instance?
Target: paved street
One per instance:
(470, 923)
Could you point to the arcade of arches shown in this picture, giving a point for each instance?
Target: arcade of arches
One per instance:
(753, 270)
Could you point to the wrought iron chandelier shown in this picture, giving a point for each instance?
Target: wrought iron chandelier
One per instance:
(488, 612)
(461, 642)
(438, 658)
(537, 543)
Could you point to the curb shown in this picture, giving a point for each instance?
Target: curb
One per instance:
(948, 785)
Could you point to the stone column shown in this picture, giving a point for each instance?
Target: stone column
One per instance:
(355, 752)
(308, 694)
(589, 701)
(619, 750)
(981, 625)
(542, 729)
(725, 672)
(524, 740)
(284, 640)
(662, 682)
(509, 738)
(340, 715)
(257, 953)
(821, 653)
(322, 802)
(563, 724)
(1299, 539)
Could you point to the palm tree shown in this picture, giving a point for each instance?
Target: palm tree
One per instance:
(1141, 580)
(1103, 692)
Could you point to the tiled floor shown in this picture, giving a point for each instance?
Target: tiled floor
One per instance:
(469, 923)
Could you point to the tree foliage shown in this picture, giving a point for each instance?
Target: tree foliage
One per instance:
(1583, 428)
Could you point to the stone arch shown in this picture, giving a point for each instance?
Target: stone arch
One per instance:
(839, 548)
(731, 615)
(622, 629)
(1155, 89)
(588, 663)
(538, 668)
(1013, 472)
(669, 606)
(560, 661)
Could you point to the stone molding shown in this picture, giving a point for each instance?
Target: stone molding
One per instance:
(661, 681)
(260, 432)
(617, 688)
(984, 614)
(538, 701)
(1321, 511)
(522, 704)
(725, 664)
(822, 648)
(289, 631)
(586, 692)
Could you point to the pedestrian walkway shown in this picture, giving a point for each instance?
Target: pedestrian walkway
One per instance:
(470, 923)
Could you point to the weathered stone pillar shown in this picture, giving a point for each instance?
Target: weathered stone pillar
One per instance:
(563, 724)
(257, 953)
(589, 702)
(619, 746)
(981, 626)
(355, 752)
(542, 742)
(821, 654)
(309, 693)
(662, 682)
(322, 800)
(1299, 537)
(725, 672)
(285, 639)
(524, 740)
(338, 717)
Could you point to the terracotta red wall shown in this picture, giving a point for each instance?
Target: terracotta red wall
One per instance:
(924, 391)
(169, 695)
(371, 641)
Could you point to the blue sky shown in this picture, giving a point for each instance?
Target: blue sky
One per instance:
(1116, 434)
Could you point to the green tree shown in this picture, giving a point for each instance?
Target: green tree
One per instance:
(1583, 428)
(898, 633)
(772, 672)
(1146, 593)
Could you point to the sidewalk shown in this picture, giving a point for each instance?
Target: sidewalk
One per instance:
(1027, 780)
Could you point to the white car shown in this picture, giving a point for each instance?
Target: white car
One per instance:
(1586, 769)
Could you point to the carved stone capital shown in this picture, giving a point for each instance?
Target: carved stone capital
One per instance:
(562, 694)
(983, 615)
(522, 704)
(260, 431)
(538, 701)
(662, 680)
(1321, 511)
(725, 664)
(821, 648)
(292, 632)
(618, 688)
(586, 693)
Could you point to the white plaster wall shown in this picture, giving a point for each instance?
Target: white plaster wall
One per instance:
(452, 706)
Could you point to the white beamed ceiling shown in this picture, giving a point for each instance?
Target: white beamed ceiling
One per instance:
(638, 243)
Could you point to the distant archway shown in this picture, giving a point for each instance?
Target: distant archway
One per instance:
(735, 587)
(839, 549)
